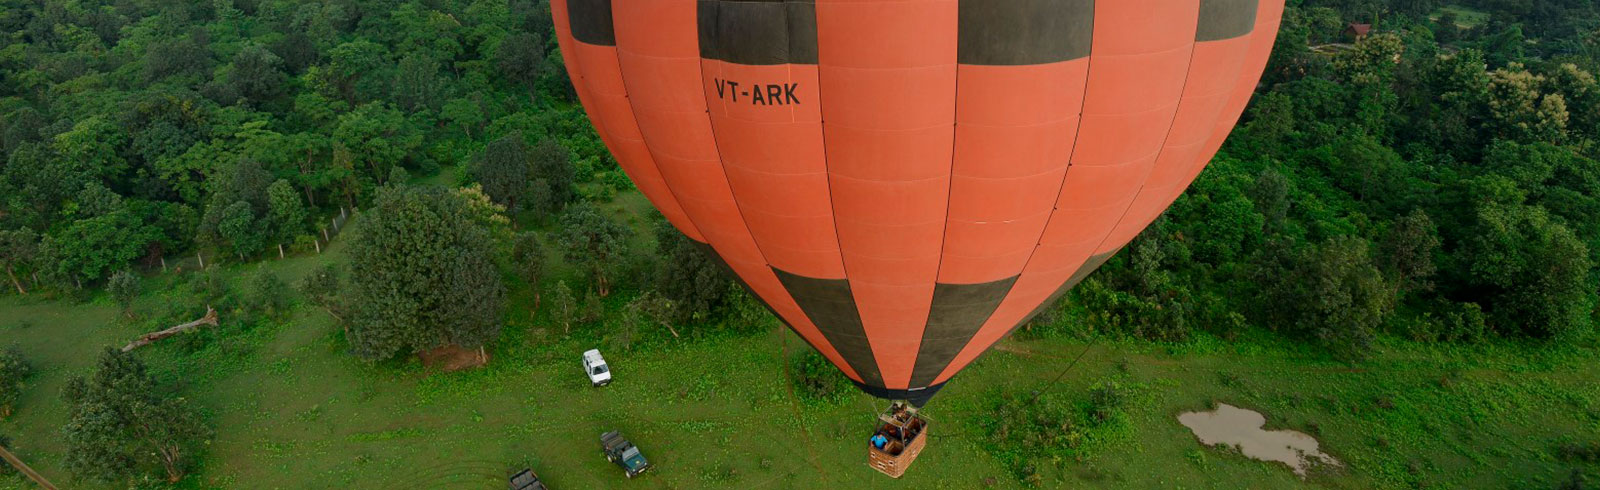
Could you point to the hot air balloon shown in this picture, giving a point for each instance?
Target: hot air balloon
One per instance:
(904, 182)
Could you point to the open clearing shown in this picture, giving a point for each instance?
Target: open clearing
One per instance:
(1466, 17)
(293, 410)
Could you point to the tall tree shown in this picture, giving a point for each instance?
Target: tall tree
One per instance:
(18, 248)
(256, 74)
(239, 226)
(593, 242)
(527, 257)
(552, 164)
(689, 278)
(563, 306)
(285, 213)
(1408, 251)
(124, 288)
(502, 169)
(119, 424)
(1533, 270)
(521, 59)
(1343, 297)
(439, 287)
(355, 72)
(417, 84)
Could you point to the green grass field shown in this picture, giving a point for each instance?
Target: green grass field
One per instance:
(1466, 17)
(292, 409)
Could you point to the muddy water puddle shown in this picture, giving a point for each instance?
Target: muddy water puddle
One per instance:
(1242, 428)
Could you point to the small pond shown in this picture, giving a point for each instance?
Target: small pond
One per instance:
(1242, 428)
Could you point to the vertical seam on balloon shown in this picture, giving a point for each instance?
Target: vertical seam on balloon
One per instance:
(833, 211)
(736, 206)
(944, 236)
(1162, 150)
(617, 49)
(1077, 137)
(622, 74)
(722, 164)
(1088, 73)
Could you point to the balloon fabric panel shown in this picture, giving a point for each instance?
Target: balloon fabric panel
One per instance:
(904, 182)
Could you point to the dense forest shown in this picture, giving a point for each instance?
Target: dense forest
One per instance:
(1434, 181)
(137, 129)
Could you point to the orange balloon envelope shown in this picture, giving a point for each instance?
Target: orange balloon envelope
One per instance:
(904, 182)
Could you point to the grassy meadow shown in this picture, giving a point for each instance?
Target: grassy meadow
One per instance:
(292, 409)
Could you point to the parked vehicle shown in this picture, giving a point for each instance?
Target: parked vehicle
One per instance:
(595, 366)
(526, 480)
(618, 450)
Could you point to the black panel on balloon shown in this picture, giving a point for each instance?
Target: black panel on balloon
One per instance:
(832, 308)
(1023, 32)
(758, 32)
(1225, 19)
(959, 311)
(591, 22)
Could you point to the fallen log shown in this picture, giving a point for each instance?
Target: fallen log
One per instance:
(26, 471)
(147, 339)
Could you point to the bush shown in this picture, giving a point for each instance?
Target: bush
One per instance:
(816, 380)
(303, 244)
(14, 373)
(1579, 452)
(1024, 431)
(267, 294)
(208, 287)
(124, 288)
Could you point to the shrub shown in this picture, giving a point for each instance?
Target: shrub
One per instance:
(267, 294)
(14, 373)
(1024, 431)
(817, 380)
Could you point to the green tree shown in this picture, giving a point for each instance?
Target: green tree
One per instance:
(120, 425)
(563, 306)
(417, 84)
(527, 258)
(14, 373)
(240, 228)
(1271, 197)
(1408, 252)
(464, 114)
(377, 137)
(255, 74)
(502, 169)
(552, 164)
(688, 276)
(1532, 269)
(651, 308)
(124, 288)
(18, 249)
(1342, 296)
(286, 214)
(428, 276)
(521, 59)
(355, 72)
(593, 242)
(268, 294)
(89, 249)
